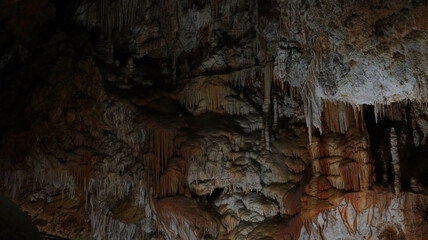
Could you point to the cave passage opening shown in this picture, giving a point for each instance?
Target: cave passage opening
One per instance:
(413, 162)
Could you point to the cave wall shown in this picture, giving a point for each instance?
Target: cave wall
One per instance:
(165, 119)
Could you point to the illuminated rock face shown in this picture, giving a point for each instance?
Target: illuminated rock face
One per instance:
(389, 218)
(167, 119)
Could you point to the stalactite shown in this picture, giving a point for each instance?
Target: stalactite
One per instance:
(395, 161)
(267, 77)
(310, 96)
(103, 226)
(117, 185)
(275, 112)
(243, 77)
(286, 89)
(55, 179)
(167, 16)
(338, 115)
(160, 146)
(173, 179)
(311, 101)
(100, 185)
(120, 118)
(214, 9)
(220, 93)
(393, 111)
(216, 96)
(280, 73)
(116, 15)
(174, 70)
(13, 180)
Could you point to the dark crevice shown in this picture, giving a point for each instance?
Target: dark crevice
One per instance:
(215, 194)
(379, 142)
(412, 163)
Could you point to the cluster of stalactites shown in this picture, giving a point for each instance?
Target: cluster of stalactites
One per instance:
(173, 179)
(393, 111)
(120, 120)
(209, 95)
(13, 181)
(335, 116)
(220, 93)
(54, 179)
(175, 226)
(310, 95)
(339, 116)
(117, 15)
(213, 96)
(104, 226)
(49, 180)
(113, 184)
(285, 89)
(243, 77)
(101, 185)
(119, 185)
(160, 143)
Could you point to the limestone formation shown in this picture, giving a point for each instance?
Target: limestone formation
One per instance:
(240, 119)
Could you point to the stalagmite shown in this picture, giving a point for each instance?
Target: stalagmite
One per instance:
(395, 161)
(416, 185)
(130, 67)
(267, 135)
(385, 170)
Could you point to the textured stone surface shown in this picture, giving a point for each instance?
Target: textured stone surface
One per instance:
(167, 119)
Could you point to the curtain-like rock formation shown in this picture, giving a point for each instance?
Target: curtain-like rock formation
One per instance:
(147, 119)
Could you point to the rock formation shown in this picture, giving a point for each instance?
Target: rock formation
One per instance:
(241, 119)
